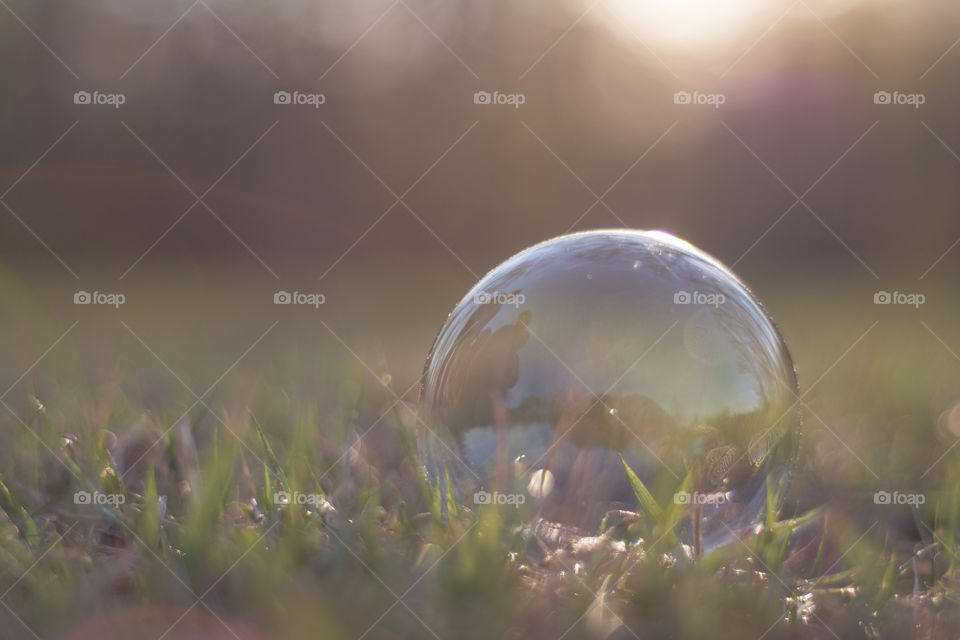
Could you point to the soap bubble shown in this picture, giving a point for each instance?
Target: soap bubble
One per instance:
(597, 349)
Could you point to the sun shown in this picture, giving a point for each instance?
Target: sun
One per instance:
(688, 24)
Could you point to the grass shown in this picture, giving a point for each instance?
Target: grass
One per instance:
(204, 543)
(294, 570)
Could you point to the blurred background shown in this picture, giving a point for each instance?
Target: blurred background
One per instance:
(199, 157)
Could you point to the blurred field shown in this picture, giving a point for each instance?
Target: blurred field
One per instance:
(881, 411)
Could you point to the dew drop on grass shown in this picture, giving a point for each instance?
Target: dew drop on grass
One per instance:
(603, 345)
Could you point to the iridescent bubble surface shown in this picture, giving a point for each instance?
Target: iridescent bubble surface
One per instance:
(603, 345)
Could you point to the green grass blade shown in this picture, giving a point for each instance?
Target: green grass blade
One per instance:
(644, 497)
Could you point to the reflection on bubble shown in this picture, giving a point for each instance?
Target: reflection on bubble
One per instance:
(949, 422)
(540, 484)
(627, 344)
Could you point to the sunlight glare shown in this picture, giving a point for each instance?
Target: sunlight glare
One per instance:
(687, 24)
